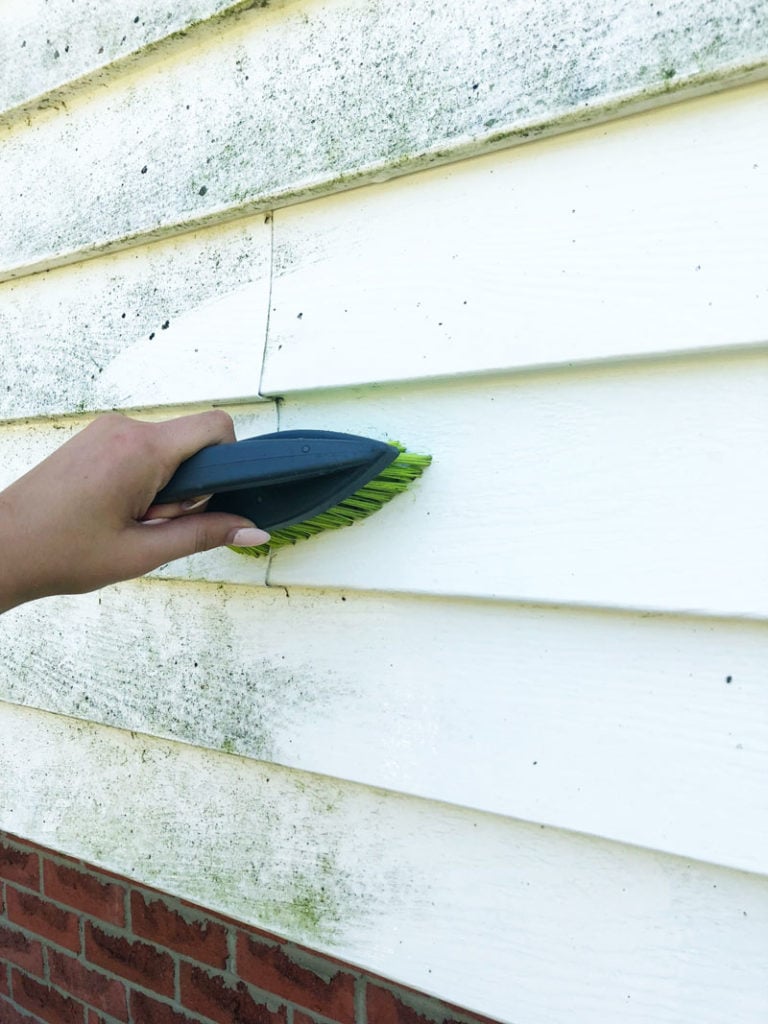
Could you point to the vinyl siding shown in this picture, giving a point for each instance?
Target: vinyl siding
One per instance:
(506, 741)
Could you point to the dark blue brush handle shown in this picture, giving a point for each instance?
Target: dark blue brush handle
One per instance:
(270, 460)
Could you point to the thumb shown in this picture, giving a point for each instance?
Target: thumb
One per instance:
(164, 540)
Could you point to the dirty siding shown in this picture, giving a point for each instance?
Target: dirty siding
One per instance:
(521, 711)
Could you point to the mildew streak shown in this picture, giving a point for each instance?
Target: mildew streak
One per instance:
(51, 50)
(316, 99)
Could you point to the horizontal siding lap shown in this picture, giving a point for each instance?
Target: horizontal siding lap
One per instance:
(613, 724)
(254, 117)
(579, 487)
(550, 627)
(561, 252)
(361, 880)
(174, 322)
(45, 46)
(610, 487)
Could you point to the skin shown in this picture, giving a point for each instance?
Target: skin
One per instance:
(83, 518)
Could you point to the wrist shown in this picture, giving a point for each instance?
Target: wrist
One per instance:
(12, 576)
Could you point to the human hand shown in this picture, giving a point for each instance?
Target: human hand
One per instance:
(84, 518)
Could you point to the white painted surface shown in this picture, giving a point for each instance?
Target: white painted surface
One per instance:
(315, 97)
(601, 244)
(48, 44)
(630, 486)
(603, 723)
(408, 719)
(166, 323)
(581, 930)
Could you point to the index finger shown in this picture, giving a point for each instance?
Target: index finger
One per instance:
(185, 435)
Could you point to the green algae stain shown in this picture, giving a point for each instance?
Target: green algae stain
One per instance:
(315, 905)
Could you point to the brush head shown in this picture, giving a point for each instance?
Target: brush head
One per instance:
(297, 483)
(393, 479)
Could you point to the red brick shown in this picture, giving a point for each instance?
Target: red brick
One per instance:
(44, 918)
(154, 920)
(92, 987)
(224, 1003)
(146, 1009)
(257, 933)
(85, 892)
(303, 1018)
(385, 1008)
(27, 844)
(5, 987)
(10, 1015)
(46, 1003)
(270, 968)
(93, 1017)
(20, 866)
(135, 961)
(20, 950)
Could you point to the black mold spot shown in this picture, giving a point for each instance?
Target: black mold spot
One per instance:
(300, 315)
(729, 679)
(23, 43)
(56, 54)
(151, 335)
(122, 317)
(202, 190)
(144, 169)
(136, 20)
(166, 325)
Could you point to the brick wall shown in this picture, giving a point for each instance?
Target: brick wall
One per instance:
(81, 946)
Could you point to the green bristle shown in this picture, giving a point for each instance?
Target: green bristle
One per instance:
(363, 503)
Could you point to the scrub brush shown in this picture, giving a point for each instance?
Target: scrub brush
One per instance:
(297, 483)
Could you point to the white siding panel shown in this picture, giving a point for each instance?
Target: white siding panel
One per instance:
(641, 236)
(171, 323)
(637, 486)
(315, 97)
(608, 724)
(560, 927)
(634, 486)
(48, 44)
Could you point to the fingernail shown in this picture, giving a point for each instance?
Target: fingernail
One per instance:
(249, 537)
(193, 503)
